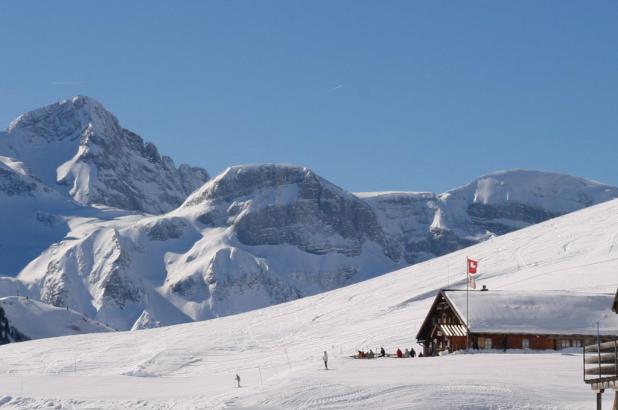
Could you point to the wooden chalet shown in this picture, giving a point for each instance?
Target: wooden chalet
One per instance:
(515, 320)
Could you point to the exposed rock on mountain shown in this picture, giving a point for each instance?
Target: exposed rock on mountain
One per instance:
(277, 205)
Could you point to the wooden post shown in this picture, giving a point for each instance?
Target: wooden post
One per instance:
(600, 399)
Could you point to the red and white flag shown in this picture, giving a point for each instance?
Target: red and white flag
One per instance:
(472, 266)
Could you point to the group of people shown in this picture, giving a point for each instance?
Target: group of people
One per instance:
(366, 355)
(371, 355)
(407, 353)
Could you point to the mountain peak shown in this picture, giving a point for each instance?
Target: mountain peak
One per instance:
(65, 117)
(242, 180)
(558, 192)
(78, 147)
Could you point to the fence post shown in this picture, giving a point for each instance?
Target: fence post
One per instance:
(599, 355)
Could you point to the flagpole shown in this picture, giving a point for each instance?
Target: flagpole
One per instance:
(467, 300)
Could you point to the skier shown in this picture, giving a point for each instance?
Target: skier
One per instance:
(382, 352)
(406, 353)
(325, 358)
(412, 352)
(237, 378)
(399, 353)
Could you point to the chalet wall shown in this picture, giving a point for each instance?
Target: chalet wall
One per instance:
(532, 342)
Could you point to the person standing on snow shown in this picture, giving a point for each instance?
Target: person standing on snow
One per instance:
(237, 378)
(325, 358)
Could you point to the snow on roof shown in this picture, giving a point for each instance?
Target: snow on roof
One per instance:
(536, 312)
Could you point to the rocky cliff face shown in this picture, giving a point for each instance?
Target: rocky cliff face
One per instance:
(279, 205)
(78, 147)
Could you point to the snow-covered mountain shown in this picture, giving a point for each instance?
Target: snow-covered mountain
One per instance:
(77, 146)
(277, 351)
(430, 225)
(251, 237)
(26, 319)
(259, 235)
(254, 236)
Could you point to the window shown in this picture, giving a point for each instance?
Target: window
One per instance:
(525, 343)
(565, 344)
(576, 343)
(487, 344)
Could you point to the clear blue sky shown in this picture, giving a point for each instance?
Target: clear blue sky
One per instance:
(373, 95)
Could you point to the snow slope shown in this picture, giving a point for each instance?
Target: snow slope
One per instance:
(277, 350)
(36, 320)
(31, 216)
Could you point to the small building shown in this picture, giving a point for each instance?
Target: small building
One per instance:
(515, 320)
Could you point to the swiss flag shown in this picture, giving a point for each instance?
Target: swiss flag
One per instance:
(472, 265)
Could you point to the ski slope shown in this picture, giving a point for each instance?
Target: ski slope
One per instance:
(277, 351)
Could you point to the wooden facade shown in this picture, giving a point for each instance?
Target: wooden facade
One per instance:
(445, 330)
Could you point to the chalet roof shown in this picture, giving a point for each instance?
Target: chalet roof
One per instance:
(535, 312)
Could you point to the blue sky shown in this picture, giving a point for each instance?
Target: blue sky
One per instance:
(373, 95)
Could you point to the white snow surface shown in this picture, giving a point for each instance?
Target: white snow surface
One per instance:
(536, 312)
(277, 350)
(37, 320)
